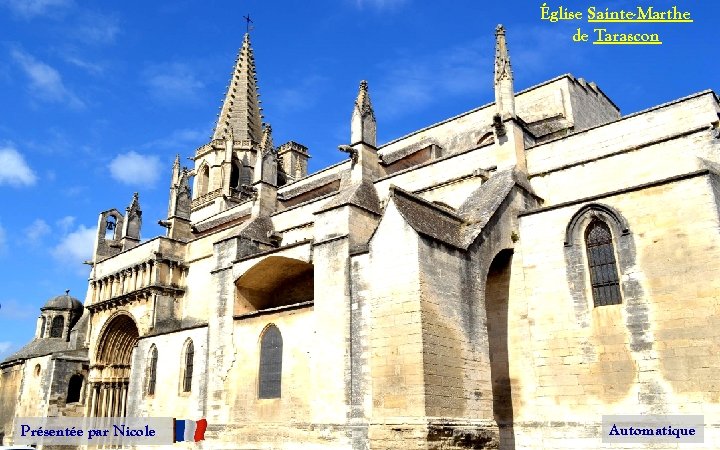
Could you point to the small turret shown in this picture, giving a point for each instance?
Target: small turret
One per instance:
(266, 159)
(362, 150)
(179, 205)
(133, 222)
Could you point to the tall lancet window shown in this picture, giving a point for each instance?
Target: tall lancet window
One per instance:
(189, 355)
(56, 330)
(235, 169)
(270, 375)
(203, 180)
(42, 327)
(601, 261)
(151, 371)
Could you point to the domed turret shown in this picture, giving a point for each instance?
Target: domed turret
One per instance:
(63, 302)
(58, 316)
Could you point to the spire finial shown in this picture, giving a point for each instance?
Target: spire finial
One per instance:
(504, 93)
(67, 291)
(248, 27)
(502, 56)
(362, 124)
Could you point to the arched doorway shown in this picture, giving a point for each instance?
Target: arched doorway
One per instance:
(497, 296)
(110, 371)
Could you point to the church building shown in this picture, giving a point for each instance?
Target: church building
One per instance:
(500, 279)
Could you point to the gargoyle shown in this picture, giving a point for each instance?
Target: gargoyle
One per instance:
(349, 150)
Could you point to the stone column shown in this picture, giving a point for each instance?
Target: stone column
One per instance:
(123, 400)
(89, 400)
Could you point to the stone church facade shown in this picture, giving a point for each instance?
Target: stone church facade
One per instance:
(500, 279)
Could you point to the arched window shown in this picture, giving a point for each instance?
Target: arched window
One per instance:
(203, 180)
(188, 366)
(270, 375)
(601, 262)
(151, 373)
(43, 322)
(56, 330)
(74, 388)
(235, 174)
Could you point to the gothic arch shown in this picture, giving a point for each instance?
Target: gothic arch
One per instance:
(584, 215)
(187, 363)
(151, 371)
(202, 179)
(577, 266)
(270, 363)
(111, 366)
(235, 170)
(118, 338)
(75, 386)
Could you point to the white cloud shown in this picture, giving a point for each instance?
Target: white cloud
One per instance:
(37, 230)
(173, 82)
(65, 224)
(45, 82)
(417, 82)
(14, 170)
(76, 247)
(28, 9)
(135, 169)
(89, 67)
(94, 28)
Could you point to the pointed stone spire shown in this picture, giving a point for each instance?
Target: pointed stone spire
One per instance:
(266, 142)
(131, 226)
(504, 94)
(240, 113)
(175, 171)
(362, 126)
(266, 160)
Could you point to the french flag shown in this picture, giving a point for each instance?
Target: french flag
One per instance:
(189, 430)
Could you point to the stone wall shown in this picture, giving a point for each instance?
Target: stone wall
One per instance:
(656, 353)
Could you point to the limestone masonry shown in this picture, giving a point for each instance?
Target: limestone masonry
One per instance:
(501, 279)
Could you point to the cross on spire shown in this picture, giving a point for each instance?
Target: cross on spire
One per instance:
(248, 21)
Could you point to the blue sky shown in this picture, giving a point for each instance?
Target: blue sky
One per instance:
(96, 98)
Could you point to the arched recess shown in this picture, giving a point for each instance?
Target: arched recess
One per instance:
(273, 282)
(202, 180)
(497, 297)
(235, 170)
(74, 388)
(112, 365)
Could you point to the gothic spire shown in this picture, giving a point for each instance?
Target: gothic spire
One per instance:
(266, 142)
(240, 112)
(175, 171)
(504, 95)
(362, 125)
